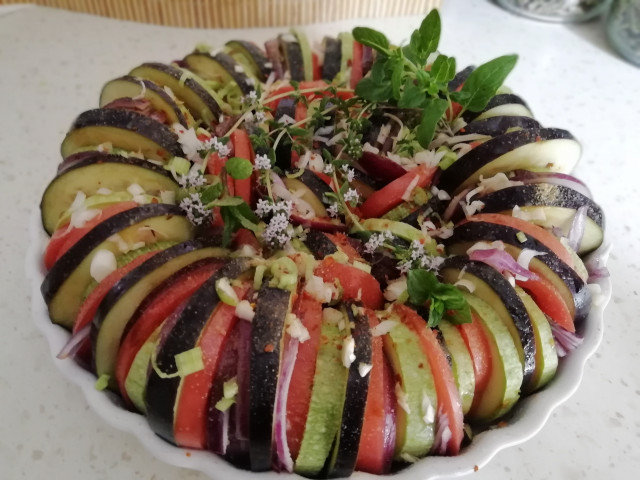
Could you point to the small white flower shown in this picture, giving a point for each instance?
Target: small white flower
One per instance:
(195, 210)
(259, 117)
(350, 174)
(328, 169)
(194, 178)
(262, 162)
(214, 144)
(376, 241)
(333, 210)
(352, 196)
(286, 120)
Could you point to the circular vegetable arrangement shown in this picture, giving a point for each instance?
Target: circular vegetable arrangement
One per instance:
(319, 260)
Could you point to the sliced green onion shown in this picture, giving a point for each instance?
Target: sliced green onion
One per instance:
(285, 273)
(521, 237)
(230, 388)
(102, 382)
(226, 292)
(224, 404)
(365, 267)
(258, 276)
(189, 362)
(178, 165)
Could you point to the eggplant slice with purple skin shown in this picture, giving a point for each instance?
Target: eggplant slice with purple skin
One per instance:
(500, 100)
(573, 289)
(292, 54)
(64, 286)
(252, 55)
(272, 307)
(162, 393)
(345, 451)
(219, 67)
(548, 149)
(98, 170)
(494, 126)
(200, 103)
(132, 87)
(494, 289)
(125, 129)
(332, 58)
(560, 205)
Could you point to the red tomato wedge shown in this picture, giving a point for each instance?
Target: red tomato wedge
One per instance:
(342, 242)
(242, 148)
(189, 424)
(309, 311)
(244, 236)
(319, 87)
(550, 301)
(356, 65)
(477, 343)
(356, 284)
(390, 195)
(449, 402)
(155, 308)
(372, 454)
(64, 238)
(90, 305)
(543, 236)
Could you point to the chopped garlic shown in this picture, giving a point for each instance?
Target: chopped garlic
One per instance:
(364, 369)
(348, 349)
(102, 264)
(296, 329)
(331, 315)
(428, 412)
(401, 397)
(383, 328)
(395, 289)
(135, 189)
(245, 311)
(319, 289)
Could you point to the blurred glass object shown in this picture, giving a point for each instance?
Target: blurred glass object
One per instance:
(557, 10)
(623, 28)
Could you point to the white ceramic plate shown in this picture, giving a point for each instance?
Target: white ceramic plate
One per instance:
(528, 418)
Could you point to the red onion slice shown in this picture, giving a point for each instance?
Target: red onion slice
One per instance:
(554, 178)
(284, 462)
(74, 344)
(454, 204)
(576, 232)
(443, 434)
(566, 341)
(272, 48)
(501, 261)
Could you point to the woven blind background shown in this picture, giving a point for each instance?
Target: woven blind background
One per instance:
(240, 13)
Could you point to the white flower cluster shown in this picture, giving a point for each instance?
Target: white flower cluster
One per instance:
(333, 210)
(251, 98)
(351, 196)
(214, 144)
(262, 162)
(265, 208)
(195, 210)
(328, 169)
(349, 173)
(418, 258)
(194, 178)
(192, 145)
(279, 231)
(377, 240)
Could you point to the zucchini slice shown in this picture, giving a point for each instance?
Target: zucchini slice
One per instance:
(130, 131)
(66, 282)
(133, 87)
(220, 68)
(250, 56)
(100, 170)
(198, 99)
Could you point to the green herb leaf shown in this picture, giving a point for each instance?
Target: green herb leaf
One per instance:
(372, 90)
(423, 286)
(443, 69)
(430, 30)
(431, 115)
(412, 95)
(211, 193)
(483, 83)
(230, 224)
(238, 168)
(371, 38)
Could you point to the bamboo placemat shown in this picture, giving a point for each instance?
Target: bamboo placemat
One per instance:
(240, 13)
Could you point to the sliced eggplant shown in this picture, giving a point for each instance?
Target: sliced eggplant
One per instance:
(345, 450)
(319, 244)
(100, 170)
(494, 289)
(558, 205)
(498, 125)
(500, 104)
(571, 287)
(546, 149)
(251, 56)
(162, 392)
(132, 87)
(286, 106)
(332, 58)
(200, 101)
(292, 53)
(460, 78)
(272, 306)
(219, 68)
(130, 131)
(65, 283)
(122, 301)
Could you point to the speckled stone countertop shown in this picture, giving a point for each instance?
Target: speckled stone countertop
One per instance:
(53, 65)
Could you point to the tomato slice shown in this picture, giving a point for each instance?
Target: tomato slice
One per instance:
(341, 241)
(64, 238)
(390, 196)
(356, 284)
(189, 425)
(242, 148)
(477, 343)
(449, 402)
(543, 236)
(244, 236)
(320, 87)
(317, 69)
(356, 65)
(372, 454)
(309, 311)
(156, 307)
(550, 301)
